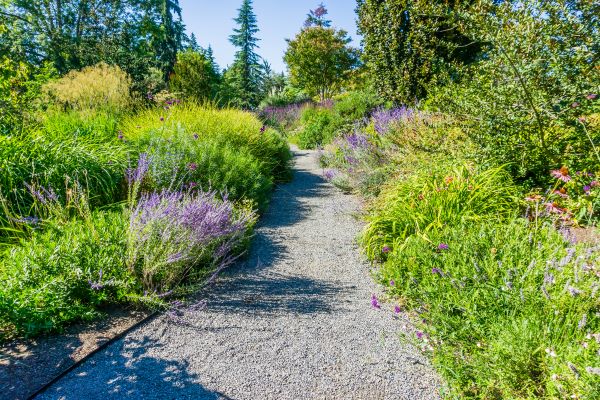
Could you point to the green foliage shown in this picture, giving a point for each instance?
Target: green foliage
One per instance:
(319, 60)
(20, 86)
(46, 281)
(227, 127)
(71, 147)
(433, 200)
(194, 76)
(509, 308)
(183, 161)
(412, 45)
(317, 127)
(356, 105)
(528, 94)
(243, 78)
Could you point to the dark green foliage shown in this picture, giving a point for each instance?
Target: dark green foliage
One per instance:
(71, 34)
(244, 75)
(524, 100)
(47, 282)
(411, 45)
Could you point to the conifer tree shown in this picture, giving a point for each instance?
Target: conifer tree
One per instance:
(245, 72)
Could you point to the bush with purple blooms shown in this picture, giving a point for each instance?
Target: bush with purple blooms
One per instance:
(178, 237)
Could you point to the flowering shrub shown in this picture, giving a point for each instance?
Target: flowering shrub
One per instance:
(506, 310)
(174, 236)
(574, 198)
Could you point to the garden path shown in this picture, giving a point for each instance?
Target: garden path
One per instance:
(294, 321)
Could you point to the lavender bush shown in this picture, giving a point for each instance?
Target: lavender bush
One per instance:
(173, 235)
(384, 119)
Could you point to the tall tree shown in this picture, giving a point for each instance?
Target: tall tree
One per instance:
(171, 35)
(245, 71)
(412, 44)
(319, 59)
(316, 17)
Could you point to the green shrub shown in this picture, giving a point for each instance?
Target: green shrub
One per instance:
(184, 161)
(317, 127)
(353, 106)
(227, 127)
(65, 273)
(509, 309)
(432, 200)
(194, 76)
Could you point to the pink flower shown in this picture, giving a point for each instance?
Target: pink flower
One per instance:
(443, 246)
(594, 184)
(562, 174)
(553, 208)
(591, 96)
(562, 193)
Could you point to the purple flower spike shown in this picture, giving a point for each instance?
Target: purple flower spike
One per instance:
(437, 271)
(443, 246)
(397, 310)
(375, 303)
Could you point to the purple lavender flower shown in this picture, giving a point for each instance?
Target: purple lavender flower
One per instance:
(375, 302)
(385, 119)
(443, 246)
(330, 174)
(357, 141)
(137, 174)
(587, 189)
(437, 271)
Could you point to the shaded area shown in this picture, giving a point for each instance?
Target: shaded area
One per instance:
(27, 365)
(137, 375)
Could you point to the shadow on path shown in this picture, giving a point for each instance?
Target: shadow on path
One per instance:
(136, 375)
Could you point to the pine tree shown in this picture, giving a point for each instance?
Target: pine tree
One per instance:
(245, 72)
(172, 30)
(193, 43)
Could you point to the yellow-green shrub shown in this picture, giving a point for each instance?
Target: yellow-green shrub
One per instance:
(101, 86)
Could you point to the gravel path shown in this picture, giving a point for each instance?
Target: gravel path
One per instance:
(293, 322)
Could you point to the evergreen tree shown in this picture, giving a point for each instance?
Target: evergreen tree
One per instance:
(193, 44)
(172, 34)
(245, 71)
(316, 17)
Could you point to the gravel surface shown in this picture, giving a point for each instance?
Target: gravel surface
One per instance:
(294, 321)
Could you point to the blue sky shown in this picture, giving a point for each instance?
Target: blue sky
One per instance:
(212, 22)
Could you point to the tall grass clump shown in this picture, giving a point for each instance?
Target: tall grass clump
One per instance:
(99, 87)
(432, 200)
(506, 310)
(226, 127)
